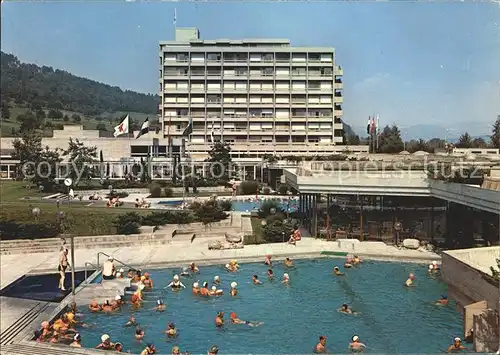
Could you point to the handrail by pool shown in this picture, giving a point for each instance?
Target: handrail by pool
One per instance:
(87, 264)
(118, 261)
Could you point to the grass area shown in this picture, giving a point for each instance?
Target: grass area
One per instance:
(14, 191)
(257, 237)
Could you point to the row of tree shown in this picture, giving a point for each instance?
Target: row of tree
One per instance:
(57, 89)
(390, 141)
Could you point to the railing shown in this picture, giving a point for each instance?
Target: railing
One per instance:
(118, 261)
(86, 270)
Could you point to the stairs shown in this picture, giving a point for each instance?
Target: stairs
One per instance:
(33, 348)
(106, 290)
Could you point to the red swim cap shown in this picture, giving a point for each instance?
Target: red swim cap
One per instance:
(233, 315)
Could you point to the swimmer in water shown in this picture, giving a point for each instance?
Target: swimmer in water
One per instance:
(443, 301)
(171, 330)
(131, 322)
(94, 306)
(336, 271)
(193, 267)
(320, 348)
(219, 319)
(185, 271)
(160, 306)
(286, 279)
(255, 280)
(196, 288)
(230, 268)
(268, 261)
(355, 345)
(289, 262)
(215, 292)
(431, 270)
(435, 265)
(409, 281)
(204, 291)
(216, 280)
(356, 260)
(107, 307)
(345, 309)
(348, 263)
(139, 333)
(270, 274)
(456, 346)
(176, 283)
(234, 291)
(147, 281)
(236, 320)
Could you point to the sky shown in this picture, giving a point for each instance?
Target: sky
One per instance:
(433, 65)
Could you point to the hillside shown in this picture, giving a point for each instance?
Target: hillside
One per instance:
(57, 89)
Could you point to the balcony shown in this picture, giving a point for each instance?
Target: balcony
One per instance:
(174, 76)
(339, 71)
(214, 62)
(338, 126)
(175, 62)
(338, 85)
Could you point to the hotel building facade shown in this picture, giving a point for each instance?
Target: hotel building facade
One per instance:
(261, 95)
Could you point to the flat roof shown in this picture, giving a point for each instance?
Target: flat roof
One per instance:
(477, 258)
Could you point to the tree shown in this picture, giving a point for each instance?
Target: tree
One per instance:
(479, 143)
(5, 111)
(76, 118)
(36, 163)
(101, 126)
(29, 121)
(40, 114)
(494, 272)
(80, 160)
(465, 141)
(495, 137)
(55, 114)
(269, 159)
(390, 140)
(221, 162)
(66, 118)
(209, 212)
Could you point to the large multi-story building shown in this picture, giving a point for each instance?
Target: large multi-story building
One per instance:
(260, 95)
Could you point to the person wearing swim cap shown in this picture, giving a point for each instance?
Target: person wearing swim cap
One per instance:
(431, 270)
(320, 348)
(160, 306)
(443, 301)
(356, 345)
(215, 292)
(204, 291)
(216, 280)
(286, 279)
(270, 274)
(336, 271)
(230, 268)
(176, 283)
(214, 350)
(185, 271)
(409, 281)
(106, 343)
(171, 330)
(139, 333)
(233, 292)
(456, 346)
(150, 349)
(196, 288)
(219, 319)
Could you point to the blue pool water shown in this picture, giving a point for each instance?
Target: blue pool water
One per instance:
(170, 203)
(393, 319)
(243, 206)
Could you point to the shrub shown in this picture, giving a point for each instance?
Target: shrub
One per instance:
(155, 190)
(249, 187)
(167, 217)
(168, 192)
(283, 189)
(117, 194)
(14, 230)
(209, 212)
(266, 206)
(226, 205)
(128, 223)
(276, 231)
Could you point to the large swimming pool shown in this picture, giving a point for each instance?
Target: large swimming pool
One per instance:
(247, 206)
(393, 319)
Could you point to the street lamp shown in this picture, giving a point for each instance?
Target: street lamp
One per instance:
(36, 213)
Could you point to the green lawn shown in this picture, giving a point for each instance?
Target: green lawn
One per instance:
(257, 237)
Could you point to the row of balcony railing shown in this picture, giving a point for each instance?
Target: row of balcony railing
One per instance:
(221, 60)
(254, 89)
(247, 75)
(209, 117)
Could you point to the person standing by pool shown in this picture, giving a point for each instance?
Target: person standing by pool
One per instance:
(233, 292)
(108, 269)
(320, 348)
(355, 345)
(63, 265)
(219, 319)
(456, 346)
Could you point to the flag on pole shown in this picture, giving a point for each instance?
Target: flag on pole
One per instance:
(377, 125)
(189, 128)
(144, 128)
(122, 128)
(373, 125)
(368, 125)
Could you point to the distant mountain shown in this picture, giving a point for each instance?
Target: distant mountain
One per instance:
(58, 89)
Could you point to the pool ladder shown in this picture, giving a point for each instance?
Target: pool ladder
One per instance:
(98, 266)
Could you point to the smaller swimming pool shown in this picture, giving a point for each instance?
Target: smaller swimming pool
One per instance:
(171, 203)
(244, 206)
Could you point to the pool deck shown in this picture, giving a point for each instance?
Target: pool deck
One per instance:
(157, 256)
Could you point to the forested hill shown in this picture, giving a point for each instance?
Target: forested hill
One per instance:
(58, 89)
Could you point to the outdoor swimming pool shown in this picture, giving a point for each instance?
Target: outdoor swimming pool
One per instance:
(243, 206)
(393, 319)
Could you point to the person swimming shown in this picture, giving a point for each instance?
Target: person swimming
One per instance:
(204, 291)
(171, 330)
(348, 263)
(185, 271)
(435, 265)
(94, 306)
(215, 292)
(356, 260)
(268, 261)
(270, 274)
(255, 280)
(193, 267)
(139, 333)
(176, 283)
(236, 320)
(233, 292)
(409, 281)
(288, 262)
(160, 306)
(320, 348)
(219, 319)
(147, 281)
(131, 322)
(345, 309)
(196, 288)
(443, 301)
(337, 272)
(107, 307)
(286, 279)
(216, 280)
(456, 346)
(356, 345)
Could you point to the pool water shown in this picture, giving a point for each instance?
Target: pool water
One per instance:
(393, 319)
(243, 206)
(172, 203)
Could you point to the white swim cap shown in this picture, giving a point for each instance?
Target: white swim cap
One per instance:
(355, 338)
(285, 275)
(233, 284)
(196, 285)
(121, 270)
(431, 267)
(158, 302)
(104, 337)
(216, 278)
(118, 297)
(434, 262)
(176, 277)
(227, 265)
(118, 274)
(457, 339)
(214, 288)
